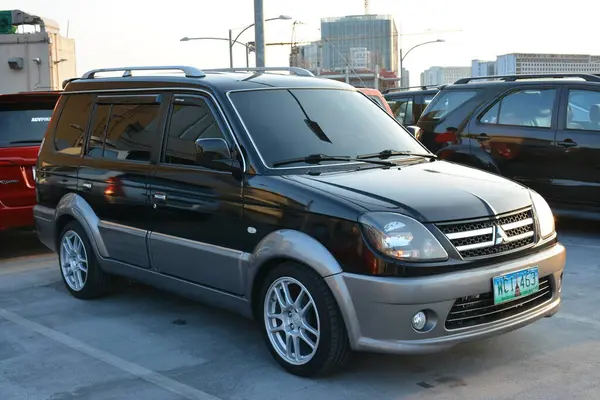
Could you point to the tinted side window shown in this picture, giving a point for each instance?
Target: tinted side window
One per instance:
(72, 123)
(97, 130)
(188, 123)
(130, 131)
(400, 108)
(446, 102)
(124, 131)
(583, 111)
(523, 108)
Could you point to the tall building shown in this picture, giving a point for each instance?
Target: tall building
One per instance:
(537, 63)
(532, 63)
(483, 68)
(361, 41)
(444, 75)
(33, 54)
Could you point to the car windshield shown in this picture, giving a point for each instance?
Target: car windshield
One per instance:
(23, 127)
(294, 123)
(446, 102)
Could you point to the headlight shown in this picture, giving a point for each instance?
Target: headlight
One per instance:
(544, 215)
(401, 237)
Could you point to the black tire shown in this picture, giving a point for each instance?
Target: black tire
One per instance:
(333, 347)
(97, 282)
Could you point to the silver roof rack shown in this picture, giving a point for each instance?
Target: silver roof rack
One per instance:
(190, 72)
(296, 70)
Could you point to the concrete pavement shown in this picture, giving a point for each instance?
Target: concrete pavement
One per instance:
(140, 343)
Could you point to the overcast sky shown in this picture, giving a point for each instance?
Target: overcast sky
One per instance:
(132, 32)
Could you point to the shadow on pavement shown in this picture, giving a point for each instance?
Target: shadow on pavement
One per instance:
(20, 244)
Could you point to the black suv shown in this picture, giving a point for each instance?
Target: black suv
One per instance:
(296, 201)
(540, 130)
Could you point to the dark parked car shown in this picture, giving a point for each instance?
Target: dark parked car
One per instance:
(23, 120)
(540, 130)
(293, 200)
(408, 105)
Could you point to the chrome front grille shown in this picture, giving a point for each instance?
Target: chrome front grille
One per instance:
(488, 237)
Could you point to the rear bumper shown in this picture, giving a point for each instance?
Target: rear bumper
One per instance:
(15, 217)
(378, 311)
(45, 225)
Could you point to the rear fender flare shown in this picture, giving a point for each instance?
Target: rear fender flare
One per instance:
(76, 207)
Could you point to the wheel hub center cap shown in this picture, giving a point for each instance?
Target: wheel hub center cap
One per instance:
(296, 318)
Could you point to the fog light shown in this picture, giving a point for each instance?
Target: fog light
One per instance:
(419, 320)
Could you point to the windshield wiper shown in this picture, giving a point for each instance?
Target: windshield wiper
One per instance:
(390, 153)
(317, 158)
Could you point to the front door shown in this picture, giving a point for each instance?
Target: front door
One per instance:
(517, 131)
(197, 218)
(578, 142)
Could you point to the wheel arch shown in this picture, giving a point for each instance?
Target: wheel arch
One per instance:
(286, 245)
(74, 207)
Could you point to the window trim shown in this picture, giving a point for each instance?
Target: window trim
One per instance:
(563, 110)
(123, 100)
(228, 136)
(499, 99)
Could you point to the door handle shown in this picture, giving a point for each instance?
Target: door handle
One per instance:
(159, 196)
(567, 143)
(87, 185)
(482, 137)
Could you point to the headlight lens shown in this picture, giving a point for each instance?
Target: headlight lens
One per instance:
(544, 215)
(401, 237)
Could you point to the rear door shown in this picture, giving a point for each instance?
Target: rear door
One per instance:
(23, 123)
(577, 171)
(114, 178)
(518, 130)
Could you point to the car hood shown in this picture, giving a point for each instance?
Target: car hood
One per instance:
(429, 191)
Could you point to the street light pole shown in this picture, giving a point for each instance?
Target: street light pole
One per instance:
(231, 42)
(259, 33)
(402, 57)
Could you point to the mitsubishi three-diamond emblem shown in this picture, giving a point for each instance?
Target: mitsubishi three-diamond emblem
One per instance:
(500, 236)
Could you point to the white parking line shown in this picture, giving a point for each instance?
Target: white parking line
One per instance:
(150, 376)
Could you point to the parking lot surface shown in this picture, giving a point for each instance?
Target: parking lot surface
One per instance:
(140, 343)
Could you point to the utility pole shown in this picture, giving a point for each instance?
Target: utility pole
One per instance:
(259, 32)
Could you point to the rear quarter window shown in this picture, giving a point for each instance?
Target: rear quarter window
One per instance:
(72, 123)
(446, 102)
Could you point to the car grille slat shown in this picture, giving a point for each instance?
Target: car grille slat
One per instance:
(490, 237)
(476, 310)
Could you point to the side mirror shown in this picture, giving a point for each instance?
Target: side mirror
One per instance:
(213, 153)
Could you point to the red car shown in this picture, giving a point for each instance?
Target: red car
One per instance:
(23, 121)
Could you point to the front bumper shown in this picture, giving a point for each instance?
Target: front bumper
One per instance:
(378, 311)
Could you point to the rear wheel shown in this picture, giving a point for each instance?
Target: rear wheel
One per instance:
(79, 267)
(302, 323)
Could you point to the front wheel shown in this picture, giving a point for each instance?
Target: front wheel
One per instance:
(302, 323)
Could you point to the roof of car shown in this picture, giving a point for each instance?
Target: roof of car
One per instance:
(533, 80)
(213, 80)
(409, 93)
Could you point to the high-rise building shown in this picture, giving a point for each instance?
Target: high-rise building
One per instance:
(537, 63)
(483, 68)
(359, 41)
(444, 75)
